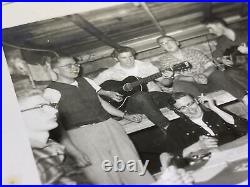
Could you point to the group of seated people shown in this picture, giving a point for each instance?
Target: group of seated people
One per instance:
(90, 135)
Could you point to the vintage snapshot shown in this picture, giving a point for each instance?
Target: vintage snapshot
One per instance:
(126, 93)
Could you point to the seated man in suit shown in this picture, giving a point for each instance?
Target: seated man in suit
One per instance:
(147, 101)
(199, 128)
(54, 164)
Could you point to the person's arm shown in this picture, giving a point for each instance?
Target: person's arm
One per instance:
(103, 76)
(209, 103)
(111, 94)
(115, 112)
(52, 95)
(207, 65)
(164, 80)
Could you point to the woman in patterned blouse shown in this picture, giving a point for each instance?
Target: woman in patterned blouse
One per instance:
(203, 77)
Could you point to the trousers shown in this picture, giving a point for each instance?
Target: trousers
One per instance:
(218, 80)
(149, 104)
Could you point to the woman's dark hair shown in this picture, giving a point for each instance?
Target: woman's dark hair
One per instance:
(122, 49)
(179, 95)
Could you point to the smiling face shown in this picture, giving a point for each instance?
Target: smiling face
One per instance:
(67, 68)
(168, 44)
(39, 118)
(126, 59)
(189, 107)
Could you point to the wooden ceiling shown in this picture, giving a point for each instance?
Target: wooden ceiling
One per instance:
(121, 24)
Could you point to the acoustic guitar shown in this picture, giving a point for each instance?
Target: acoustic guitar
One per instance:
(131, 85)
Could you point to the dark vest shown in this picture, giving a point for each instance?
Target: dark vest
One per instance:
(78, 105)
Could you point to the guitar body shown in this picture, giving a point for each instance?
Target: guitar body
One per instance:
(131, 85)
(118, 86)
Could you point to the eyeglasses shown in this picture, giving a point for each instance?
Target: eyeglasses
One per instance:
(187, 106)
(41, 106)
(70, 65)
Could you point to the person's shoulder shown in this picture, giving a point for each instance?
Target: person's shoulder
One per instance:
(176, 124)
(139, 62)
(191, 50)
(113, 68)
(52, 95)
(143, 63)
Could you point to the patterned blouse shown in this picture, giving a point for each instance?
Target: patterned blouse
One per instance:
(196, 58)
(55, 167)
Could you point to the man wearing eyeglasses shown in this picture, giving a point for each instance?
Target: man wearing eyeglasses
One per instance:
(88, 124)
(199, 128)
(52, 160)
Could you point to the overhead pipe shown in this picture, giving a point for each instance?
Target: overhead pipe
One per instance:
(151, 15)
(90, 28)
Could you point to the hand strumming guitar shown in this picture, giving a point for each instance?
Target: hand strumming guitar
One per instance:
(115, 96)
(167, 74)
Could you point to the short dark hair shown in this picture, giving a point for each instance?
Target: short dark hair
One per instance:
(122, 49)
(57, 60)
(215, 20)
(178, 95)
(165, 36)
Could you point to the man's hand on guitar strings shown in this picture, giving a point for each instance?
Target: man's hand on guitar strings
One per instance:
(115, 96)
(133, 117)
(167, 74)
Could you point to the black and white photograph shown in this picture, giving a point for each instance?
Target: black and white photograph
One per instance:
(125, 93)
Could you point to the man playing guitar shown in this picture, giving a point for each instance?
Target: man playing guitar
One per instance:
(147, 101)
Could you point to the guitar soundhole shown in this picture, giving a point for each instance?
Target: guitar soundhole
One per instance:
(127, 87)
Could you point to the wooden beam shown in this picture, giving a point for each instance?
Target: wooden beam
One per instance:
(154, 20)
(87, 26)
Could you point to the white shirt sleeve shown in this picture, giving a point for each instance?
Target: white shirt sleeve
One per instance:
(93, 84)
(52, 95)
(103, 76)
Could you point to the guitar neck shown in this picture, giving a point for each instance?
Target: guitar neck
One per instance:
(146, 79)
